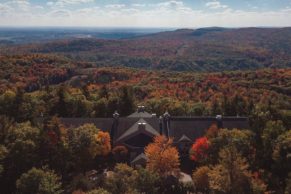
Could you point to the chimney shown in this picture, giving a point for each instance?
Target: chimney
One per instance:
(161, 125)
(219, 121)
(115, 115)
(141, 126)
(167, 115)
(114, 127)
(166, 123)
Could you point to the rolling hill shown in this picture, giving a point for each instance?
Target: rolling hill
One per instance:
(206, 49)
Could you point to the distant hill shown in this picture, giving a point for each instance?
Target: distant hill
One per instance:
(205, 49)
(20, 35)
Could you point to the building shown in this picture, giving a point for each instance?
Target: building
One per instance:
(138, 129)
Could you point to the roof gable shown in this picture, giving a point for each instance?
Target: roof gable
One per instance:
(140, 159)
(134, 130)
(140, 114)
(184, 138)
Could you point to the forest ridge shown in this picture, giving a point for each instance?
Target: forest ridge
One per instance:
(205, 49)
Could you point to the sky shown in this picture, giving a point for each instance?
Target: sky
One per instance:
(145, 13)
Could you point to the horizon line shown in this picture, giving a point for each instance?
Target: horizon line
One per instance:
(142, 27)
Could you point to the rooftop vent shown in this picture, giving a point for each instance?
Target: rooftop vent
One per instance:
(141, 126)
(140, 109)
(219, 121)
(218, 117)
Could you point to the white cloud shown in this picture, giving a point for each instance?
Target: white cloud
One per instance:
(76, 1)
(215, 5)
(170, 5)
(139, 5)
(50, 3)
(115, 6)
(63, 3)
(60, 13)
(19, 4)
(287, 9)
(4, 9)
(87, 11)
(172, 13)
(18, 10)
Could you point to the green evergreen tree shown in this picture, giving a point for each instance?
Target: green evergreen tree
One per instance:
(126, 101)
(61, 107)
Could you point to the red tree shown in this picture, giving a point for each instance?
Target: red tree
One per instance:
(199, 149)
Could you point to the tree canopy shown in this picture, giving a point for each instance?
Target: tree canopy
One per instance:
(163, 157)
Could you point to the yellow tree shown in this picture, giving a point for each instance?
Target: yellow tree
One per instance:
(232, 174)
(163, 157)
(86, 143)
(201, 179)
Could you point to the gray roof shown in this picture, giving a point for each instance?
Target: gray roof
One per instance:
(140, 114)
(184, 138)
(180, 128)
(193, 128)
(125, 123)
(140, 158)
(134, 129)
(235, 122)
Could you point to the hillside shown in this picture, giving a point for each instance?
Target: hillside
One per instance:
(180, 92)
(206, 50)
(47, 87)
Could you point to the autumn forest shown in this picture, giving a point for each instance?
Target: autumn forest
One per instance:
(187, 73)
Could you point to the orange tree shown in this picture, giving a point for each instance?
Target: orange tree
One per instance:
(163, 157)
(103, 142)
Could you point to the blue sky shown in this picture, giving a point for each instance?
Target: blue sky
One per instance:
(145, 13)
